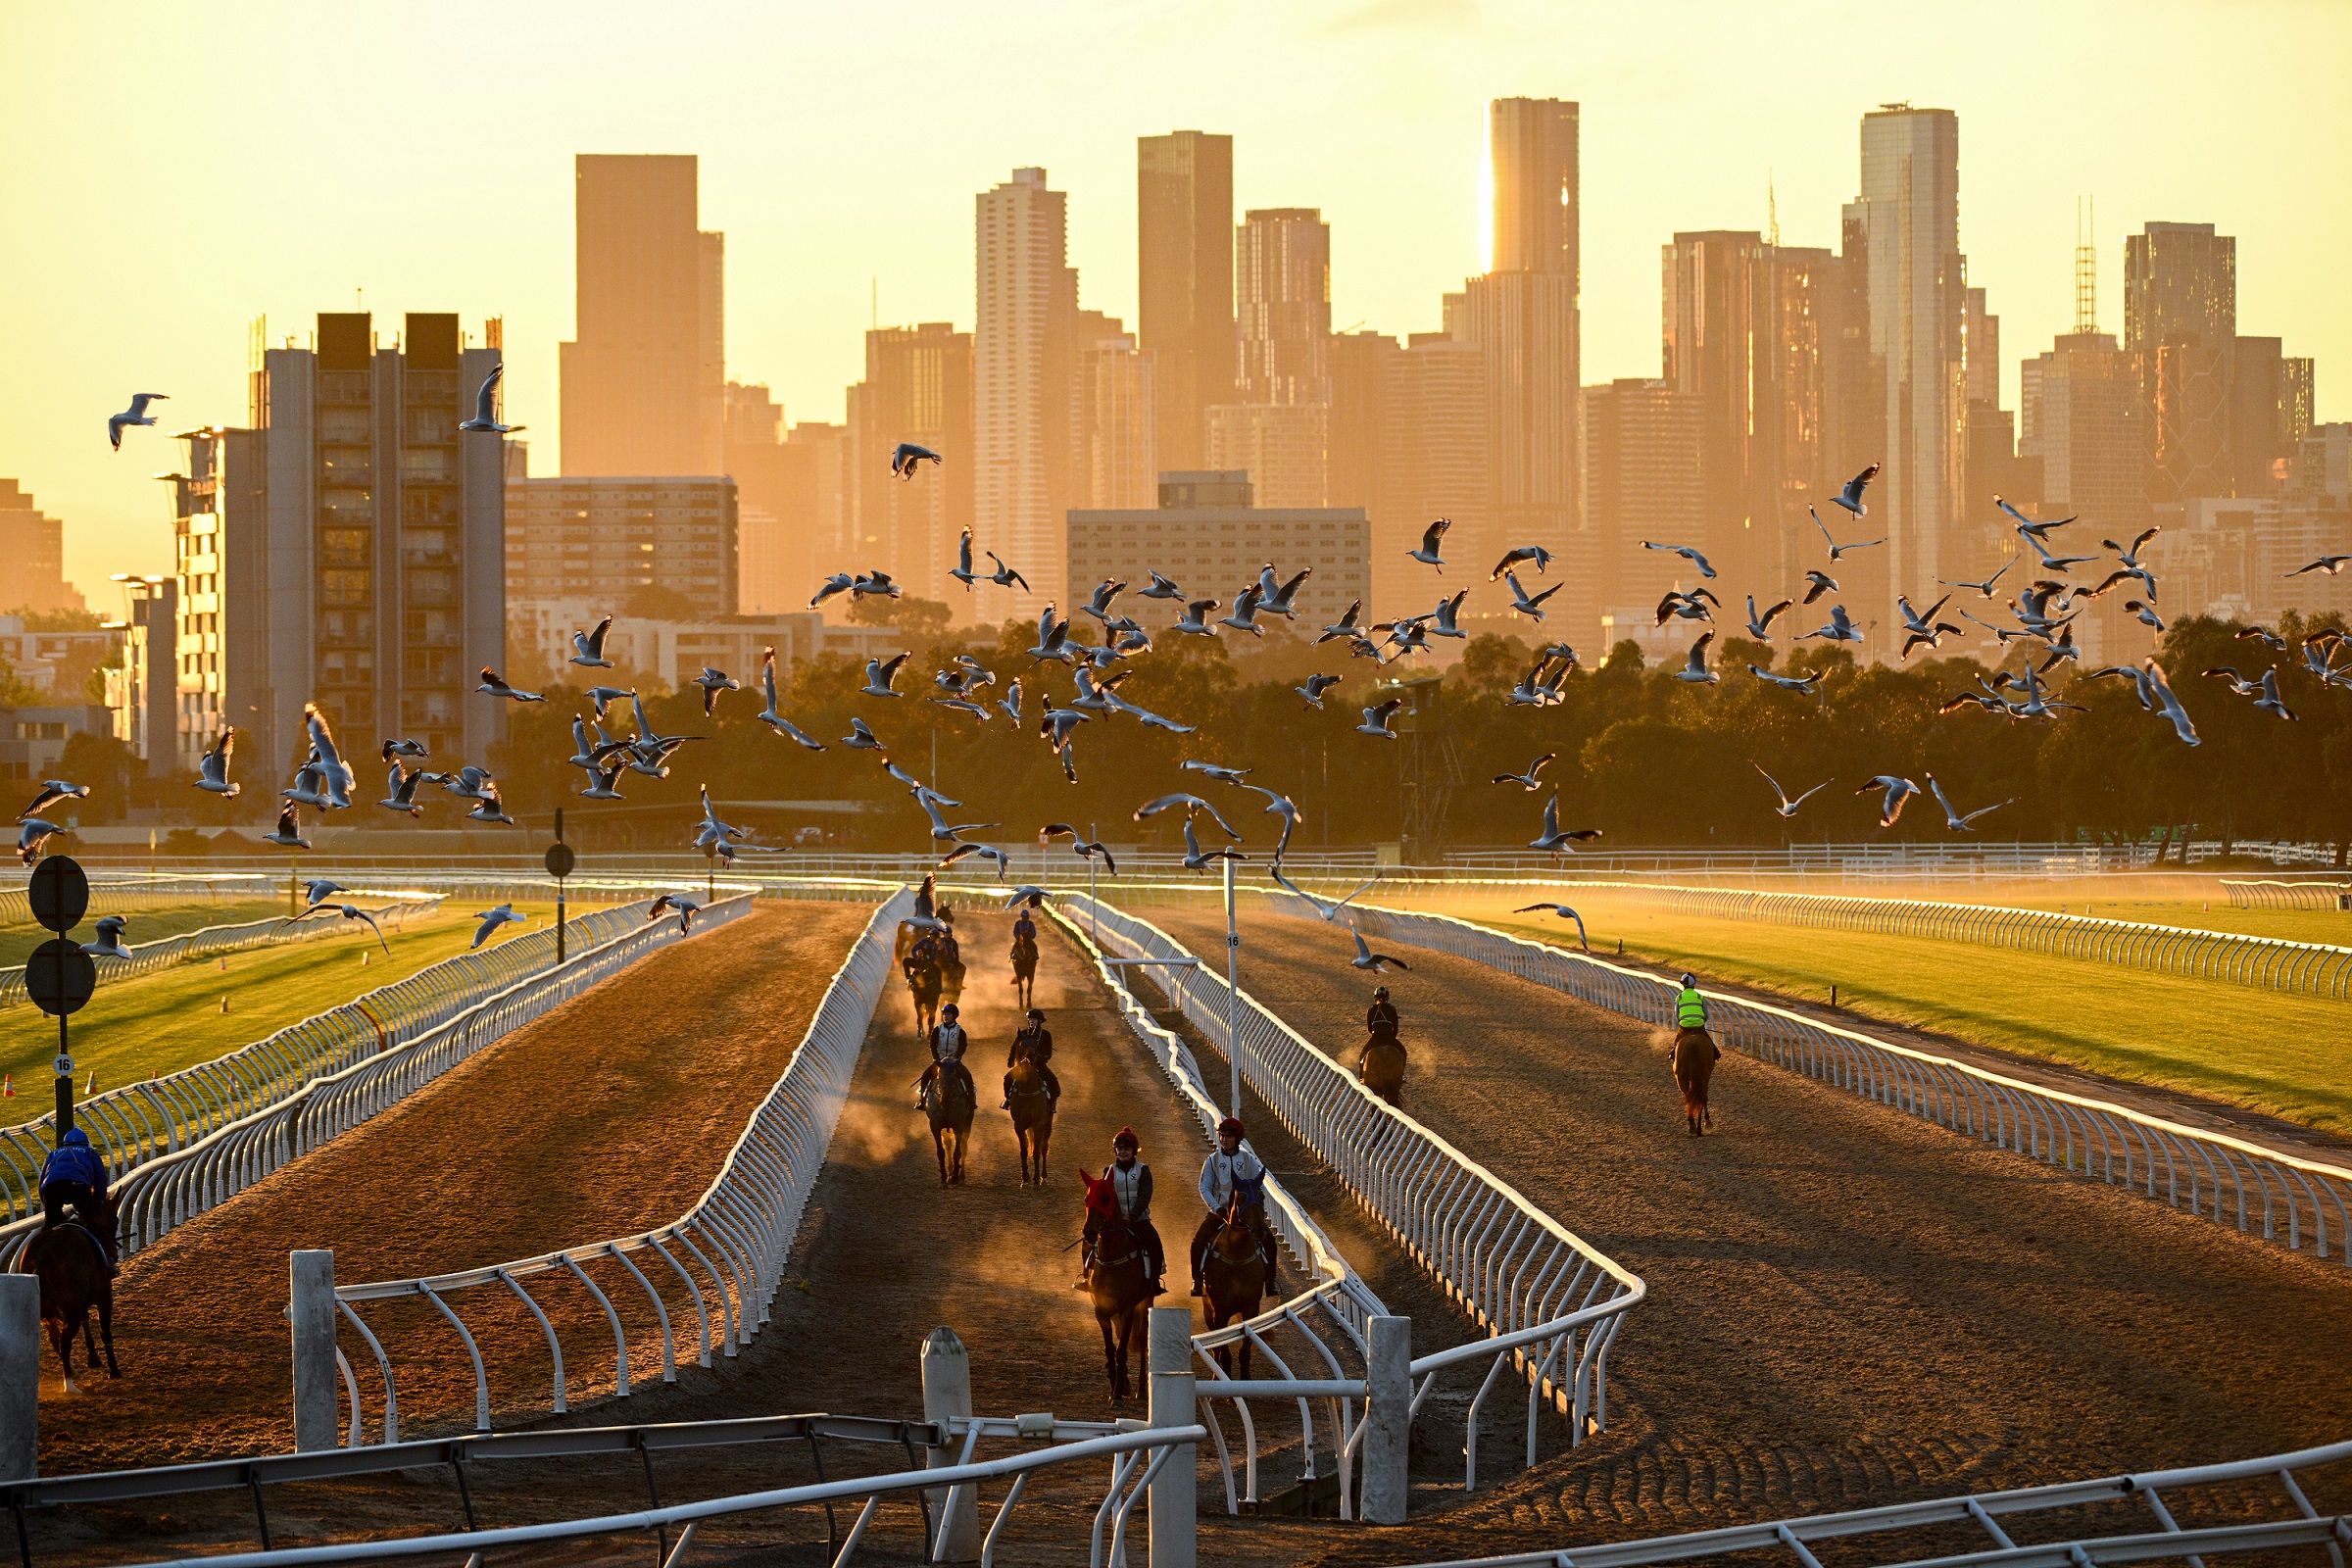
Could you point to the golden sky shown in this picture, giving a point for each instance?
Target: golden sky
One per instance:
(166, 175)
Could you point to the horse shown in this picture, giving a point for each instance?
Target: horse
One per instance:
(1233, 1272)
(1380, 1068)
(1024, 972)
(77, 1274)
(923, 984)
(1694, 1057)
(1120, 1282)
(1032, 1117)
(948, 1102)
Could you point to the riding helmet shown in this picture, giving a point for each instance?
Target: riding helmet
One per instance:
(1233, 1125)
(1690, 979)
(950, 1007)
(1037, 1016)
(1125, 1138)
(1380, 993)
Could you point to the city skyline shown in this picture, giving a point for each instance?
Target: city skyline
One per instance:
(1393, 160)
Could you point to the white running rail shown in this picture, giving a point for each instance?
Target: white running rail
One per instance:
(2229, 1180)
(2201, 1511)
(724, 1256)
(169, 1188)
(147, 957)
(1553, 1303)
(2265, 894)
(154, 1117)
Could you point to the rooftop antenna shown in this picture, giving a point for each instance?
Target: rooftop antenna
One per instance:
(1772, 213)
(874, 284)
(2086, 266)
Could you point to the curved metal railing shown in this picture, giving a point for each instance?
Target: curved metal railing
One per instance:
(155, 1118)
(724, 1256)
(2229, 1180)
(1553, 1303)
(147, 957)
(167, 1190)
(2264, 893)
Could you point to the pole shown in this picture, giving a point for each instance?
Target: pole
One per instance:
(559, 919)
(1233, 998)
(65, 1083)
(293, 877)
(1094, 910)
(311, 1281)
(947, 1368)
(20, 1376)
(1173, 1500)
(1388, 1422)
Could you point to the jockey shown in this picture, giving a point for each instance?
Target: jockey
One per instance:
(75, 1173)
(1690, 1007)
(923, 963)
(1131, 1189)
(1381, 1017)
(1024, 929)
(948, 1045)
(1035, 1042)
(1219, 1174)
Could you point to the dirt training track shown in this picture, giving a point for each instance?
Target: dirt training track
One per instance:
(1847, 1306)
(608, 1115)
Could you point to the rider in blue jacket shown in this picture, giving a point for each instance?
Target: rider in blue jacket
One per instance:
(75, 1174)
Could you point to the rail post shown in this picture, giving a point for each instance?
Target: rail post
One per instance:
(1173, 1500)
(20, 1376)
(948, 1394)
(1388, 1421)
(312, 1277)
(1233, 998)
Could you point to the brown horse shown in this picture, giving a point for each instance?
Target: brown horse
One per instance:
(947, 1103)
(76, 1275)
(1381, 1067)
(1118, 1279)
(1031, 1118)
(1024, 974)
(1233, 1274)
(1694, 1058)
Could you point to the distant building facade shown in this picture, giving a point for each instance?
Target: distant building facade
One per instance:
(1184, 254)
(1644, 479)
(1022, 413)
(603, 539)
(672, 653)
(1210, 537)
(644, 381)
(35, 547)
(918, 388)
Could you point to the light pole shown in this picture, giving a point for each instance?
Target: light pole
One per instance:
(1233, 997)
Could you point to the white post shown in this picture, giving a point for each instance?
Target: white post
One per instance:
(1173, 1501)
(1233, 998)
(20, 1376)
(1388, 1422)
(312, 1278)
(948, 1392)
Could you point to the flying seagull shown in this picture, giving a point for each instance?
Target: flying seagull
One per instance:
(1428, 555)
(841, 582)
(289, 829)
(1366, 958)
(1760, 627)
(686, 906)
(348, 912)
(33, 834)
(1808, 684)
(1195, 858)
(1528, 780)
(1850, 497)
(1836, 550)
(136, 414)
(1565, 914)
(211, 771)
(1376, 719)
(51, 791)
(907, 455)
(1694, 669)
(1985, 588)
(491, 920)
(1898, 791)
(1323, 908)
(1512, 558)
(1533, 607)
(879, 673)
(1315, 687)
(1553, 839)
(1953, 819)
(403, 785)
(1687, 552)
(2330, 565)
(588, 647)
(497, 687)
(1191, 804)
(485, 405)
(769, 716)
(110, 939)
(1788, 806)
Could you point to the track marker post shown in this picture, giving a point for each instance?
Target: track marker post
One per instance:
(560, 861)
(1233, 998)
(310, 1277)
(948, 1396)
(20, 1376)
(1387, 1483)
(1173, 1500)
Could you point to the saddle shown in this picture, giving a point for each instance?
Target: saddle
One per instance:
(38, 1242)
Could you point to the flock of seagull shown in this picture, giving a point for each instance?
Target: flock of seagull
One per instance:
(2045, 611)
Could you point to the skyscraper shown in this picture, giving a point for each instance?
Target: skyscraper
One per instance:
(1282, 298)
(918, 387)
(1644, 477)
(379, 586)
(1717, 335)
(1438, 422)
(1023, 385)
(1910, 211)
(34, 546)
(1523, 317)
(645, 379)
(1118, 416)
(1184, 224)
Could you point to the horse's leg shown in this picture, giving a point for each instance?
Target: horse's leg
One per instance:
(106, 1329)
(939, 1146)
(61, 1339)
(1110, 1355)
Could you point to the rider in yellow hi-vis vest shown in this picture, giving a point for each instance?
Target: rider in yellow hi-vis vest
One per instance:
(1694, 1055)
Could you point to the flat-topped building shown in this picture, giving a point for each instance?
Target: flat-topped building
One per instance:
(1208, 535)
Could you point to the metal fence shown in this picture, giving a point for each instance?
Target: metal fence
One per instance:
(1552, 1304)
(147, 957)
(181, 1145)
(2306, 968)
(2261, 1191)
(2164, 1515)
(724, 1258)
(2267, 895)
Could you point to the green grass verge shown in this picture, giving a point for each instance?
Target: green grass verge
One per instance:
(162, 1022)
(2290, 1056)
(147, 925)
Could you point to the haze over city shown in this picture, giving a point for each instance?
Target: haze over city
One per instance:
(172, 183)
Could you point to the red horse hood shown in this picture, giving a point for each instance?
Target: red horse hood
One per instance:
(1099, 1198)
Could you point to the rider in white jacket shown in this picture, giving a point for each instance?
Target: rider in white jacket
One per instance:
(1225, 1168)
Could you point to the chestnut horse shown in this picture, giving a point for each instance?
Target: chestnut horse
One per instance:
(1381, 1067)
(1024, 974)
(1694, 1058)
(947, 1103)
(76, 1276)
(1118, 1279)
(1233, 1273)
(1031, 1118)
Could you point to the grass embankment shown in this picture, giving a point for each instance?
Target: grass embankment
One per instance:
(147, 923)
(2288, 1055)
(161, 1022)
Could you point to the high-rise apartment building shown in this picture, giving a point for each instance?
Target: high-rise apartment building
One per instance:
(643, 382)
(1282, 303)
(1917, 278)
(1118, 416)
(221, 564)
(1280, 446)
(1718, 331)
(1184, 232)
(34, 546)
(1209, 533)
(1356, 444)
(2180, 324)
(756, 461)
(1437, 419)
(1523, 314)
(814, 516)
(1645, 478)
(918, 387)
(360, 554)
(2079, 415)
(1023, 385)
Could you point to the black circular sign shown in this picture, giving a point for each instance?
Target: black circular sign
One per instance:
(59, 976)
(60, 894)
(559, 860)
